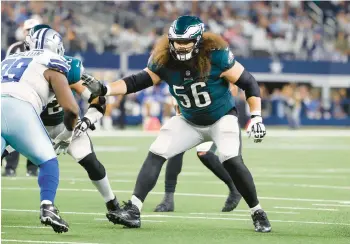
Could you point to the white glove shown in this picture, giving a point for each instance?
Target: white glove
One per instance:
(82, 126)
(62, 141)
(256, 128)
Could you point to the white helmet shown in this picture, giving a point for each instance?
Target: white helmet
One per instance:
(45, 38)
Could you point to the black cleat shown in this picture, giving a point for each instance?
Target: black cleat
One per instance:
(112, 208)
(165, 206)
(128, 216)
(9, 173)
(49, 215)
(261, 222)
(231, 202)
(112, 205)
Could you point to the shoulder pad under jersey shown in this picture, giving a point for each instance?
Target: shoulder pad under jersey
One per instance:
(53, 61)
(223, 58)
(76, 69)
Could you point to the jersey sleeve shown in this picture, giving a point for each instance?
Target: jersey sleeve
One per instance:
(153, 66)
(54, 61)
(76, 70)
(224, 59)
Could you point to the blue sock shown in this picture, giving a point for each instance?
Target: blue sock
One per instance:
(48, 179)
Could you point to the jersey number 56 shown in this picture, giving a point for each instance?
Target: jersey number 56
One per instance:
(201, 99)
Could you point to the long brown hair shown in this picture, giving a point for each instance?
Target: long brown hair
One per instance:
(201, 62)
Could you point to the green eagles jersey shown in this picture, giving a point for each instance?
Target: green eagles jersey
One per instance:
(53, 113)
(202, 99)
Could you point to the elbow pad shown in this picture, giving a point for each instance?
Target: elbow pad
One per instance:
(138, 82)
(248, 83)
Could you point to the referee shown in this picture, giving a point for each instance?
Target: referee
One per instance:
(13, 158)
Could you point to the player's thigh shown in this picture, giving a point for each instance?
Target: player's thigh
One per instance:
(25, 131)
(226, 135)
(3, 145)
(80, 147)
(175, 136)
(206, 147)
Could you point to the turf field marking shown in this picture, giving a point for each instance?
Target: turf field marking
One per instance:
(331, 205)
(262, 183)
(188, 217)
(180, 194)
(144, 220)
(50, 242)
(25, 227)
(244, 211)
(272, 133)
(316, 209)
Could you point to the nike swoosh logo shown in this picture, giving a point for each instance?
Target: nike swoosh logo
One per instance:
(52, 213)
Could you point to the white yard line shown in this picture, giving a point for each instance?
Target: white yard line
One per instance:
(47, 242)
(192, 217)
(331, 205)
(244, 211)
(144, 220)
(315, 209)
(210, 182)
(25, 227)
(304, 133)
(182, 194)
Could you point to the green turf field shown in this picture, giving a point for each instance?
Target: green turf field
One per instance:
(303, 184)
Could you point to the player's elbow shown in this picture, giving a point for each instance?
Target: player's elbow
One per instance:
(248, 83)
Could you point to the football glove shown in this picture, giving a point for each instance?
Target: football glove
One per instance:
(82, 126)
(256, 128)
(96, 87)
(62, 141)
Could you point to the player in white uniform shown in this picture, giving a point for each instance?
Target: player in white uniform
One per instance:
(28, 81)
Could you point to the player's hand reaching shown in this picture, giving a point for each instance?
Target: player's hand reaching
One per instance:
(256, 128)
(82, 126)
(96, 87)
(62, 141)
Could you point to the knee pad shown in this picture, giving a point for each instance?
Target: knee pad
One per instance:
(80, 148)
(93, 167)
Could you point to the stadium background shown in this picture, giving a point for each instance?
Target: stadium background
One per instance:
(298, 51)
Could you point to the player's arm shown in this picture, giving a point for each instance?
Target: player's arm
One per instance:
(64, 96)
(81, 90)
(130, 84)
(240, 77)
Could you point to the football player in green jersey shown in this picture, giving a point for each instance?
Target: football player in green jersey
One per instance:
(198, 66)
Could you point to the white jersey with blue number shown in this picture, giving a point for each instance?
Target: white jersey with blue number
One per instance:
(22, 76)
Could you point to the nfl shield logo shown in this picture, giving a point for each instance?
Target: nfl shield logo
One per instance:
(188, 73)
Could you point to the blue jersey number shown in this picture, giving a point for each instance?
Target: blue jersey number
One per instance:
(13, 69)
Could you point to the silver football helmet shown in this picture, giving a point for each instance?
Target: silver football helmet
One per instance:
(45, 38)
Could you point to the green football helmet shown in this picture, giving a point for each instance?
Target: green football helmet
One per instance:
(185, 29)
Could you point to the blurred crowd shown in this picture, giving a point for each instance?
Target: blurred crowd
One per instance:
(296, 102)
(286, 29)
(63, 20)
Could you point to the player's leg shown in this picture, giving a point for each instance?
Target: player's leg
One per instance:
(168, 144)
(12, 161)
(20, 124)
(172, 171)
(32, 169)
(226, 135)
(206, 154)
(81, 149)
(3, 145)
